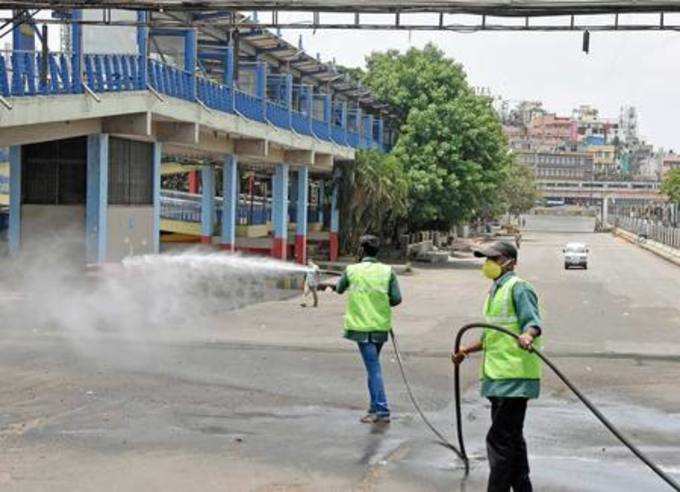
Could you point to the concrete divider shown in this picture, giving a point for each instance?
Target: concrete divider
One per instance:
(666, 252)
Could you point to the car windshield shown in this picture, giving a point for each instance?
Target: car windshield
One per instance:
(576, 248)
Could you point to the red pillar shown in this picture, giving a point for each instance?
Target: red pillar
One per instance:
(301, 249)
(334, 245)
(193, 181)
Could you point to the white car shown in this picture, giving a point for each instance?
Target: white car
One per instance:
(575, 255)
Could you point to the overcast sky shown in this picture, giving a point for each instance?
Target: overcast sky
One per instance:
(623, 68)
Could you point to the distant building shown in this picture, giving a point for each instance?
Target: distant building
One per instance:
(670, 161)
(525, 112)
(551, 133)
(593, 130)
(517, 137)
(628, 123)
(576, 166)
(604, 158)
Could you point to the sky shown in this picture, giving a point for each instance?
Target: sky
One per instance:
(641, 69)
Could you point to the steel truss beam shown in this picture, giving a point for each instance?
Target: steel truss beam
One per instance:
(483, 25)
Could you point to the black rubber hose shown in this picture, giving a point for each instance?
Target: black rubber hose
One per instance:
(443, 440)
(459, 420)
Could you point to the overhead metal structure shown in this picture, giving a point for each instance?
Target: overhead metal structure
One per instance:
(513, 8)
(443, 15)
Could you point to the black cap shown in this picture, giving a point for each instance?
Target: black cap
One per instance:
(496, 249)
(369, 240)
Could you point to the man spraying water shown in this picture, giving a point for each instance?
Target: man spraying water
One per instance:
(373, 291)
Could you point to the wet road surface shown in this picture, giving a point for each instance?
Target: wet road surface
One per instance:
(268, 397)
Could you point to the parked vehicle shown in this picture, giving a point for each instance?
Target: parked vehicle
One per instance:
(576, 255)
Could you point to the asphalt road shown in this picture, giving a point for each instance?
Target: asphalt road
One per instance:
(268, 397)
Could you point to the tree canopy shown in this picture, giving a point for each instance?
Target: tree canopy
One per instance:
(670, 186)
(451, 143)
(450, 162)
(374, 196)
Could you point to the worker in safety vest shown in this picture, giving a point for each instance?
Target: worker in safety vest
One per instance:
(373, 291)
(510, 372)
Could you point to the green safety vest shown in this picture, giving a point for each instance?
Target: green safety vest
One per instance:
(368, 306)
(503, 358)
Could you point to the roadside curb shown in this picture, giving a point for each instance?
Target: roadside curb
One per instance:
(665, 252)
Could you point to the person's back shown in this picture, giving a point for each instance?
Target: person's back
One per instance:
(368, 306)
(373, 291)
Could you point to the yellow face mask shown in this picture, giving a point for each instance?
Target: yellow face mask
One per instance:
(491, 269)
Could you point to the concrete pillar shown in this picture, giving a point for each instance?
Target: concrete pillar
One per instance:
(207, 204)
(229, 203)
(143, 47)
(280, 212)
(77, 56)
(308, 105)
(301, 219)
(229, 75)
(157, 154)
(96, 209)
(261, 87)
(190, 56)
(333, 236)
(289, 99)
(605, 210)
(14, 232)
(193, 182)
(321, 199)
(328, 112)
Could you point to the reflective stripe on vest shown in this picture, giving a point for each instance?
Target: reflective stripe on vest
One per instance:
(368, 306)
(503, 358)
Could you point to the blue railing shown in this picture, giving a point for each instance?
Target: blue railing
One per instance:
(277, 115)
(113, 73)
(171, 81)
(301, 123)
(28, 74)
(187, 208)
(248, 105)
(320, 129)
(215, 95)
(339, 135)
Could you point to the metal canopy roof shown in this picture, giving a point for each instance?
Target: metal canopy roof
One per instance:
(517, 8)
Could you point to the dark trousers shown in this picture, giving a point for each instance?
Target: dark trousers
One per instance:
(505, 446)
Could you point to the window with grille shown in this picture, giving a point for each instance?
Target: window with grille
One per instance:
(54, 173)
(130, 172)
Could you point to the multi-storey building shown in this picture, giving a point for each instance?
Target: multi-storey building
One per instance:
(604, 158)
(549, 133)
(558, 165)
(670, 161)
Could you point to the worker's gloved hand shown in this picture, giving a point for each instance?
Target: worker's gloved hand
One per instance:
(525, 340)
(458, 357)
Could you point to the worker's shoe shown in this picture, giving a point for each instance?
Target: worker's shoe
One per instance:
(375, 418)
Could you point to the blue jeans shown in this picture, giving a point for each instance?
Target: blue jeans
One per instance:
(370, 353)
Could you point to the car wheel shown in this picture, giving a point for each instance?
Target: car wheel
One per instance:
(585, 267)
(566, 266)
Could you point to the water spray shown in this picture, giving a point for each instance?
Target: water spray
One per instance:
(459, 450)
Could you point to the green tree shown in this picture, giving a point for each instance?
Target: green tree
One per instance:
(518, 193)
(670, 186)
(374, 197)
(451, 143)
